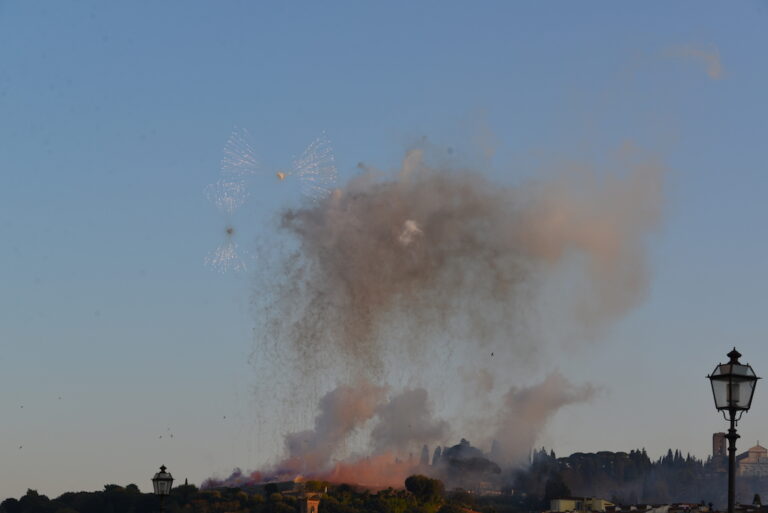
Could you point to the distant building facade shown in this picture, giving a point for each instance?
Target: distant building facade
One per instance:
(753, 463)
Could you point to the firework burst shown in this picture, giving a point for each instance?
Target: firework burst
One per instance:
(315, 170)
(228, 194)
(227, 257)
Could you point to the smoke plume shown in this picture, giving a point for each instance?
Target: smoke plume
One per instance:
(440, 254)
(377, 471)
(428, 278)
(342, 411)
(400, 425)
(406, 421)
(526, 411)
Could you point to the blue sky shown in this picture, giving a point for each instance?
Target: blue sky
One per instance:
(112, 122)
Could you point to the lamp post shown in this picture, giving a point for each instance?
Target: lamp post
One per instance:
(162, 484)
(733, 385)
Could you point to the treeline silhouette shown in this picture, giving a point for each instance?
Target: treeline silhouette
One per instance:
(628, 478)
(624, 478)
(422, 495)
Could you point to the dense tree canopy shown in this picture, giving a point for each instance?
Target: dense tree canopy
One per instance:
(425, 489)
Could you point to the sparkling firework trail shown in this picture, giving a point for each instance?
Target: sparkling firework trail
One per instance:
(316, 169)
(226, 257)
(239, 156)
(227, 194)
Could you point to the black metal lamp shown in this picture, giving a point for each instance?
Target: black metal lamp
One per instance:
(162, 484)
(733, 386)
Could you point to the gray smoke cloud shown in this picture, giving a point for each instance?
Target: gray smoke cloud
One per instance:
(410, 275)
(342, 411)
(402, 422)
(435, 253)
(407, 421)
(525, 412)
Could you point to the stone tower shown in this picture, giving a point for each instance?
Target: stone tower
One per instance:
(718, 445)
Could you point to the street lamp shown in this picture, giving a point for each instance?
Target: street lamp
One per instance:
(162, 483)
(733, 385)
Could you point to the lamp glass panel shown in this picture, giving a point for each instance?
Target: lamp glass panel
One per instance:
(720, 391)
(743, 372)
(748, 393)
